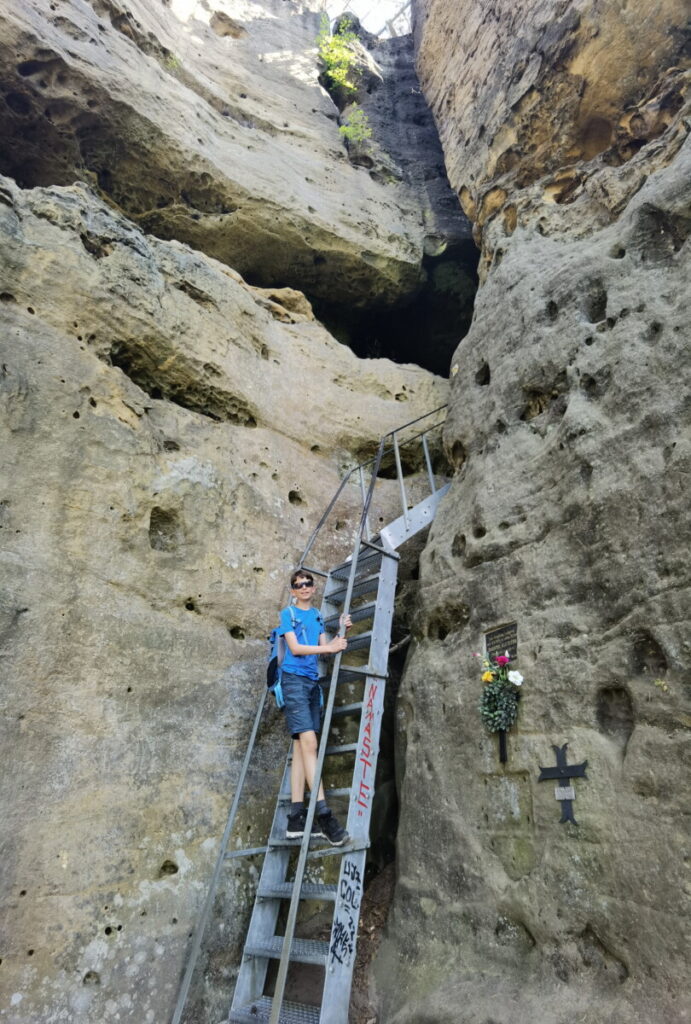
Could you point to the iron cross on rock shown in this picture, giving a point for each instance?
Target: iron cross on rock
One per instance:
(564, 772)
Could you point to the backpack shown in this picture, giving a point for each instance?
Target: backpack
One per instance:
(277, 652)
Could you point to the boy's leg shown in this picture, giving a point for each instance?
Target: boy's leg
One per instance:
(297, 774)
(306, 746)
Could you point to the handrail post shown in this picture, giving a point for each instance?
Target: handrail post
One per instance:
(399, 474)
(430, 474)
(368, 532)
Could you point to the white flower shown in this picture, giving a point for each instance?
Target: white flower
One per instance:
(515, 677)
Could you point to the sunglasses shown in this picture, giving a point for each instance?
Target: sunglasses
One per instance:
(303, 585)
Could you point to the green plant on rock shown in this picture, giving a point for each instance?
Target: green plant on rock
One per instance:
(338, 57)
(357, 128)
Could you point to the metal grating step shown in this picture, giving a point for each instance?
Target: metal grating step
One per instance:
(357, 643)
(367, 561)
(309, 891)
(344, 748)
(360, 589)
(259, 1012)
(365, 611)
(302, 951)
(347, 709)
(354, 673)
(343, 791)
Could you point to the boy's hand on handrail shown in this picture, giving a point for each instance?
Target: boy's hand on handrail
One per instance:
(345, 622)
(339, 643)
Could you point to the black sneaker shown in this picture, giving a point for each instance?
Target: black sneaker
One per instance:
(296, 826)
(332, 830)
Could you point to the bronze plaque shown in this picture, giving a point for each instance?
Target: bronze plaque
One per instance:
(502, 639)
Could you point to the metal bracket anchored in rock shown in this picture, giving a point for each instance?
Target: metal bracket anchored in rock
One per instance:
(564, 772)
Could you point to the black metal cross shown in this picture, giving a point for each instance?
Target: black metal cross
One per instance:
(564, 772)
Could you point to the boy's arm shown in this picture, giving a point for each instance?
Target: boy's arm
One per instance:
(325, 646)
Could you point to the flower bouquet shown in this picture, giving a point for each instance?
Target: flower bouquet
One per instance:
(499, 700)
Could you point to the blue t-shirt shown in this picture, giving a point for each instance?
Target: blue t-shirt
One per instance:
(308, 628)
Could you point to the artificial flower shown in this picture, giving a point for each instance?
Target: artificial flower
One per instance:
(487, 677)
(502, 660)
(514, 677)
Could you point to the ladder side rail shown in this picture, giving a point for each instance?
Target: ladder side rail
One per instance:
(211, 894)
(279, 988)
(343, 941)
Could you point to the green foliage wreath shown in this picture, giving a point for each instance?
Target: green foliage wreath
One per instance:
(498, 705)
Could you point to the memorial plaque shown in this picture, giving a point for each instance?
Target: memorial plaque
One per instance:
(564, 793)
(503, 638)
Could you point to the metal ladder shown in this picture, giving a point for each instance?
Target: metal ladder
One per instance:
(364, 586)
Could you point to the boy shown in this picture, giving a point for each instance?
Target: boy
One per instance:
(305, 641)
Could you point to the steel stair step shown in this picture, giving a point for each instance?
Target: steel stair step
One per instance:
(344, 748)
(360, 589)
(357, 643)
(259, 1012)
(347, 709)
(367, 561)
(309, 891)
(356, 673)
(343, 791)
(365, 611)
(302, 951)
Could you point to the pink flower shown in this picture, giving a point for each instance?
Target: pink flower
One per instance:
(502, 660)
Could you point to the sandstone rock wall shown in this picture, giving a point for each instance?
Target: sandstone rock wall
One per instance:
(542, 107)
(206, 123)
(567, 516)
(170, 437)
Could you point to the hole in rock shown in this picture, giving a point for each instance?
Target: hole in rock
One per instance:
(615, 714)
(91, 978)
(482, 377)
(594, 301)
(168, 867)
(647, 656)
(165, 529)
(449, 618)
(237, 633)
(295, 498)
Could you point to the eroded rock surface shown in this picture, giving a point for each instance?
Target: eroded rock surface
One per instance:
(170, 437)
(542, 107)
(206, 123)
(570, 434)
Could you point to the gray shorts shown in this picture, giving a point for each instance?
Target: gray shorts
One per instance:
(303, 700)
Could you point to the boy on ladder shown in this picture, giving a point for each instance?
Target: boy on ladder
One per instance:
(303, 629)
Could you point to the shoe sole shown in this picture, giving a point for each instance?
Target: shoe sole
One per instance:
(337, 842)
(299, 835)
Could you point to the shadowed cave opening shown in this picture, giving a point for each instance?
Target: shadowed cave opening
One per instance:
(426, 327)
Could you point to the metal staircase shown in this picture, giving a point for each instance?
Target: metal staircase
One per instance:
(364, 586)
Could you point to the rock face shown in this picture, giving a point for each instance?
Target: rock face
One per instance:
(541, 108)
(170, 437)
(206, 123)
(570, 435)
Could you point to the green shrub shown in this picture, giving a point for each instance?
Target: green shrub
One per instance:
(337, 56)
(357, 128)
